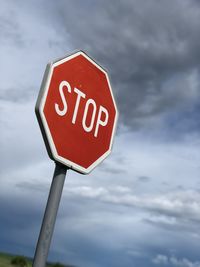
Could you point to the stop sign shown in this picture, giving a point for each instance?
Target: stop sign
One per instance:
(76, 111)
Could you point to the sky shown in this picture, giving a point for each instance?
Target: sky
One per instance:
(141, 206)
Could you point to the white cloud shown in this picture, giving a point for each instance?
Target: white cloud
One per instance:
(173, 261)
(170, 208)
(86, 191)
(160, 259)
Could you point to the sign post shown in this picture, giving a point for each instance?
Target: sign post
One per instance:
(77, 115)
(49, 219)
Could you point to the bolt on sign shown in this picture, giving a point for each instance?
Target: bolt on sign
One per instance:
(77, 112)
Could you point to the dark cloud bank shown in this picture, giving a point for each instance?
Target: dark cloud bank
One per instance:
(151, 49)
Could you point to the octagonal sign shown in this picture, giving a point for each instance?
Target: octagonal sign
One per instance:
(76, 111)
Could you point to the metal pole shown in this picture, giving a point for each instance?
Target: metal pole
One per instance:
(50, 214)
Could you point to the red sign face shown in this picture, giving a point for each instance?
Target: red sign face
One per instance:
(77, 112)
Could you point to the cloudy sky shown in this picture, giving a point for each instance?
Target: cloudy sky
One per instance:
(141, 206)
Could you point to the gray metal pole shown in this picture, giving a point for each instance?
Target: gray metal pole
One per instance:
(50, 214)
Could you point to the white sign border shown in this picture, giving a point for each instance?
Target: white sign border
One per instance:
(43, 123)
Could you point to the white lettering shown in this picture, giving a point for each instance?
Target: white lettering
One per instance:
(79, 95)
(90, 127)
(100, 121)
(62, 112)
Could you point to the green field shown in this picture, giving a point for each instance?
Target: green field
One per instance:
(5, 261)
